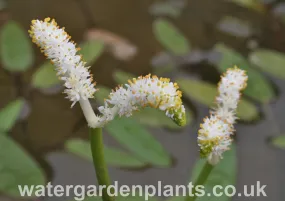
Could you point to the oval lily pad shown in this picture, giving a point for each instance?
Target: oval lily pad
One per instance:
(16, 50)
(170, 37)
(139, 141)
(17, 168)
(91, 50)
(9, 114)
(269, 61)
(45, 76)
(113, 156)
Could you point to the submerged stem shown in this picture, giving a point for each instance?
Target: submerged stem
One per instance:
(202, 178)
(97, 148)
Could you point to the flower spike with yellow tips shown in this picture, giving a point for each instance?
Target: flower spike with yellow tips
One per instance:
(148, 91)
(214, 136)
(56, 45)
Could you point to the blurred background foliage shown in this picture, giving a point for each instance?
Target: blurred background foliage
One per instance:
(192, 42)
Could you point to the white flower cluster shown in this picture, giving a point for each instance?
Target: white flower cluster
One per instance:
(56, 45)
(148, 91)
(214, 136)
(141, 92)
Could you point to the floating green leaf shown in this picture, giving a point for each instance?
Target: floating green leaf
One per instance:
(10, 114)
(269, 61)
(279, 141)
(16, 51)
(17, 168)
(91, 50)
(170, 37)
(113, 156)
(247, 111)
(139, 141)
(205, 93)
(45, 76)
(200, 91)
(224, 173)
(116, 157)
(258, 87)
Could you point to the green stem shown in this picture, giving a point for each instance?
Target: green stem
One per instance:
(202, 178)
(97, 148)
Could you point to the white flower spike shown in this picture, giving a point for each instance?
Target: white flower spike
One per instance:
(142, 92)
(56, 45)
(232, 82)
(214, 136)
(148, 91)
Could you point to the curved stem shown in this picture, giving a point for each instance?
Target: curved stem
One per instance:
(89, 114)
(97, 148)
(202, 178)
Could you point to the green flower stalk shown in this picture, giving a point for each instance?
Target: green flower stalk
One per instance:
(202, 178)
(97, 148)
